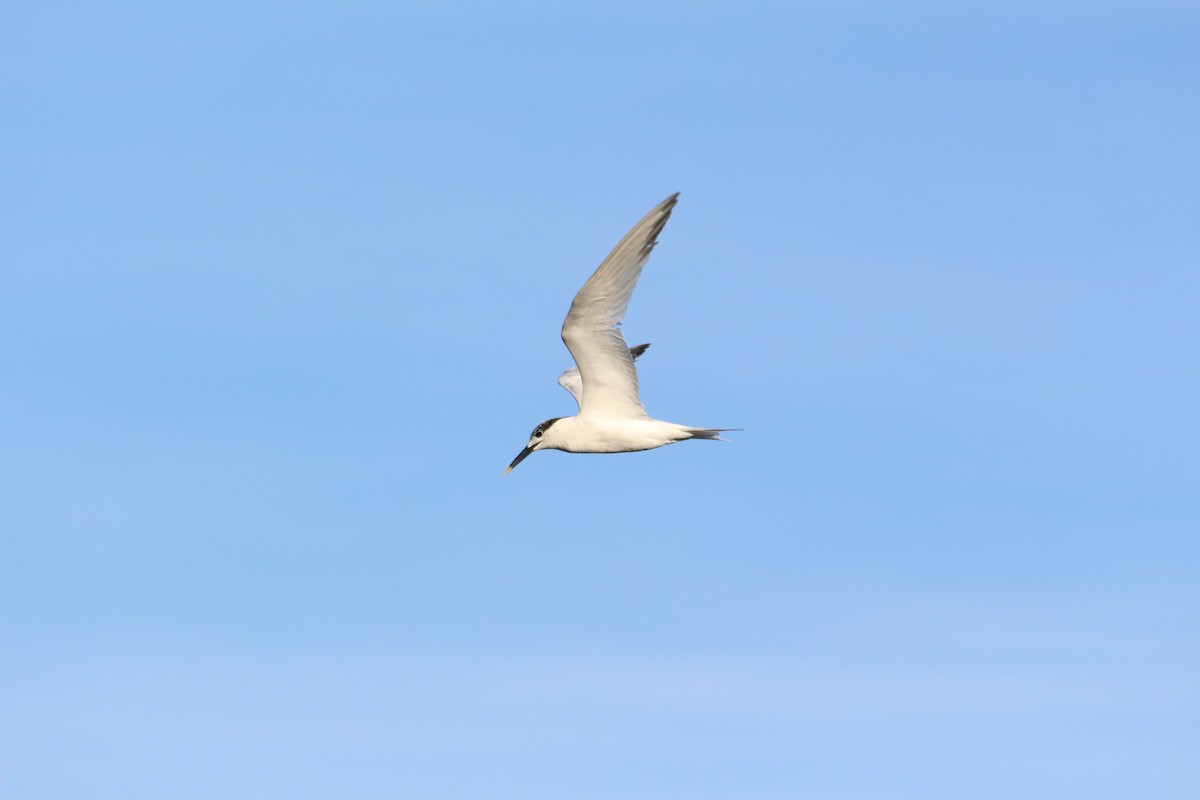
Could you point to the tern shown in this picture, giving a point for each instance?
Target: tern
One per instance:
(604, 381)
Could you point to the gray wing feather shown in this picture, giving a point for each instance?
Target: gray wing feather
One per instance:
(571, 381)
(605, 364)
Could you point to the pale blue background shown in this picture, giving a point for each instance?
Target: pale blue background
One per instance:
(281, 290)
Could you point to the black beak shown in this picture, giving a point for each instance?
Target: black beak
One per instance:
(521, 457)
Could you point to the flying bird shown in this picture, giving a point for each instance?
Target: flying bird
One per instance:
(604, 382)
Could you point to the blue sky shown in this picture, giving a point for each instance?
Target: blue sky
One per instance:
(280, 291)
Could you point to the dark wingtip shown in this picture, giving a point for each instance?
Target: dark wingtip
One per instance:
(664, 208)
(638, 349)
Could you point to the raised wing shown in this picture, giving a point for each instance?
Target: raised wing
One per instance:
(571, 381)
(605, 365)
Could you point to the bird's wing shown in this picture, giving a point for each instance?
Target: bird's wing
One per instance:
(610, 385)
(571, 381)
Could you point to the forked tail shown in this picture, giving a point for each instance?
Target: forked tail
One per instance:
(712, 434)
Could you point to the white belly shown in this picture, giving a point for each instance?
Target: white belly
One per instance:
(599, 435)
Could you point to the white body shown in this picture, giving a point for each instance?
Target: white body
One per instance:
(604, 381)
(584, 434)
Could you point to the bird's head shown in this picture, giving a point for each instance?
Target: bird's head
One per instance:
(538, 440)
